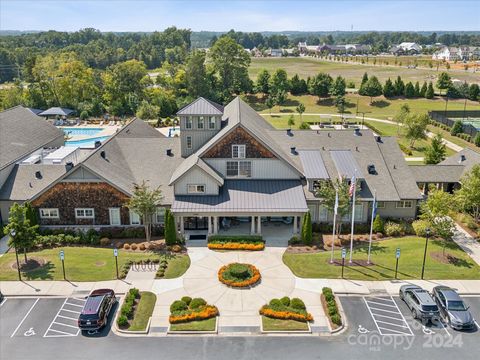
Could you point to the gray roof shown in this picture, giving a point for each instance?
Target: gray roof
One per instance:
(22, 183)
(140, 129)
(201, 106)
(22, 132)
(247, 197)
(313, 165)
(437, 173)
(56, 111)
(35, 111)
(466, 157)
(346, 164)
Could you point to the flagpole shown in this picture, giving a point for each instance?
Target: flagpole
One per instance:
(334, 222)
(371, 225)
(353, 213)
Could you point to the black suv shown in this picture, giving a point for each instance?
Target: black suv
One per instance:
(95, 312)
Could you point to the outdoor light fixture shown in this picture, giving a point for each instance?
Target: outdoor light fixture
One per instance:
(427, 235)
(12, 234)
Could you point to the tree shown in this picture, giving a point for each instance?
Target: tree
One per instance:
(320, 85)
(307, 229)
(30, 214)
(300, 110)
(436, 152)
(457, 128)
(444, 81)
(19, 221)
(415, 127)
(401, 115)
(388, 89)
(270, 103)
(429, 94)
(423, 90)
(147, 111)
(340, 103)
(409, 90)
(291, 121)
(468, 196)
(399, 86)
(417, 89)
(372, 88)
(262, 84)
(170, 230)
(364, 79)
(196, 75)
(298, 86)
(279, 82)
(474, 92)
(144, 202)
(338, 87)
(476, 139)
(280, 97)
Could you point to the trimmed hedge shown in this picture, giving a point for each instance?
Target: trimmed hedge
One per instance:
(243, 239)
(197, 309)
(332, 307)
(278, 309)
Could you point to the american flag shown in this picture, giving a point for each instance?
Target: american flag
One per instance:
(351, 191)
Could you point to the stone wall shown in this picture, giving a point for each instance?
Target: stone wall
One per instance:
(66, 196)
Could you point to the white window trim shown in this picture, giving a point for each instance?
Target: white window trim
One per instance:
(378, 204)
(84, 216)
(238, 175)
(201, 120)
(131, 214)
(402, 204)
(46, 213)
(191, 142)
(195, 189)
(322, 213)
(188, 122)
(212, 124)
(241, 151)
(110, 216)
(160, 212)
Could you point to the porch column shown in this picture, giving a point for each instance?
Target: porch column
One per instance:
(259, 226)
(215, 224)
(252, 226)
(295, 224)
(182, 226)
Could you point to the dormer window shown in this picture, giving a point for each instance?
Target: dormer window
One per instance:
(201, 122)
(211, 123)
(238, 151)
(188, 122)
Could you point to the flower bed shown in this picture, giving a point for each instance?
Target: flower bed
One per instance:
(188, 309)
(239, 275)
(236, 246)
(286, 309)
(246, 242)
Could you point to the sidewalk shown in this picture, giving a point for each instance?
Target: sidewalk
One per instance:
(467, 243)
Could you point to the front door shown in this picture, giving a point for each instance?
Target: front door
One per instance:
(114, 216)
(196, 223)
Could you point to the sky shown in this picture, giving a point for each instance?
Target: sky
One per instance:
(246, 15)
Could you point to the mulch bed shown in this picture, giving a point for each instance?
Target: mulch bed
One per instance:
(302, 249)
(325, 310)
(445, 258)
(32, 263)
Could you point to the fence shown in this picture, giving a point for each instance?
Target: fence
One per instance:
(449, 117)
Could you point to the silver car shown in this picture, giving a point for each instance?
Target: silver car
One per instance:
(420, 303)
(453, 309)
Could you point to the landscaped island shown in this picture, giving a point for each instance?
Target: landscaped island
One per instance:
(136, 310)
(285, 314)
(239, 242)
(195, 314)
(238, 275)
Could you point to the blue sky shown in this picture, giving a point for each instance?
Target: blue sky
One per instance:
(139, 15)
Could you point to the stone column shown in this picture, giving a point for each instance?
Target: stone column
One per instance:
(295, 225)
(209, 225)
(259, 226)
(182, 226)
(252, 225)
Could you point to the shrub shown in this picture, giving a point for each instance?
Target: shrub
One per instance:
(419, 226)
(329, 296)
(285, 301)
(405, 150)
(393, 229)
(275, 304)
(378, 224)
(135, 293)
(304, 126)
(127, 310)
(105, 241)
(476, 140)
(177, 306)
(297, 303)
(457, 128)
(142, 247)
(133, 246)
(197, 303)
(122, 321)
(126, 246)
(294, 240)
(235, 238)
(332, 309)
(187, 300)
(336, 319)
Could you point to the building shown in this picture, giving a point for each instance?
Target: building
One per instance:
(464, 53)
(406, 48)
(348, 49)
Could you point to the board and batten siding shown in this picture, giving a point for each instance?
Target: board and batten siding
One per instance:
(199, 136)
(261, 168)
(391, 211)
(195, 176)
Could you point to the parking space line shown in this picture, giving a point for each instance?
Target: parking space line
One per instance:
(62, 324)
(26, 315)
(388, 322)
(384, 322)
(388, 317)
(376, 303)
(395, 331)
(389, 311)
(379, 298)
(66, 317)
(60, 332)
(402, 315)
(75, 312)
(73, 304)
(444, 328)
(3, 302)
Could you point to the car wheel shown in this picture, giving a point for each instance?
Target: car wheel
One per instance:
(400, 294)
(414, 314)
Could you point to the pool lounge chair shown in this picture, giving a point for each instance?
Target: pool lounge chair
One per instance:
(101, 123)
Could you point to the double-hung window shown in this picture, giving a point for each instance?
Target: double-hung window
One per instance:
(188, 122)
(51, 213)
(189, 142)
(238, 151)
(232, 168)
(201, 122)
(239, 168)
(211, 123)
(134, 218)
(405, 204)
(160, 215)
(84, 213)
(195, 189)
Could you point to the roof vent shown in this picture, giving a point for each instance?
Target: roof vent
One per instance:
(462, 158)
(328, 134)
(103, 154)
(357, 132)
(379, 139)
(356, 149)
(169, 152)
(69, 165)
(293, 150)
(371, 169)
(38, 174)
(289, 132)
(97, 144)
(394, 167)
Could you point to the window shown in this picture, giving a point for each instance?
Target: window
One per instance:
(406, 204)
(245, 169)
(114, 214)
(232, 168)
(49, 213)
(201, 122)
(211, 123)
(238, 151)
(322, 213)
(380, 204)
(359, 212)
(84, 213)
(196, 189)
(134, 218)
(189, 142)
(160, 216)
(188, 122)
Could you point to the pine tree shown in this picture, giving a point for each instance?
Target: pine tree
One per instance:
(435, 153)
(409, 90)
(399, 86)
(372, 88)
(417, 89)
(307, 229)
(423, 90)
(170, 231)
(388, 89)
(457, 128)
(429, 94)
(361, 90)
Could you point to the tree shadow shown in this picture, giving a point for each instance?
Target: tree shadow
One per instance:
(45, 272)
(325, 102)
(291, 102)
(380, 103)
(286, 111)
(255, 102)
(350, 105)
(450, 245)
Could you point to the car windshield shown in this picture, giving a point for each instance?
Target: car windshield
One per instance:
(456, 305)
(430, 308)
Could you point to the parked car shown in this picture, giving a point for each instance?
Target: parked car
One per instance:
(452, 308)
(94, 315)
(420, 303)
(1, 297)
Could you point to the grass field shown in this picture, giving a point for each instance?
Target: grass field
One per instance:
(200, 325)
(82, 264)
(144, 311)
(305, 67)
(270, 324)
(460, 266)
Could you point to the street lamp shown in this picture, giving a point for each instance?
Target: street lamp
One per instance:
(427, 234)
(12, 234)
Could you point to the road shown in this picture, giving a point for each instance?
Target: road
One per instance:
(40, 328)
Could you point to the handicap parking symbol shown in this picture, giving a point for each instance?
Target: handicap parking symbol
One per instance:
(29, 332)
(362, 330)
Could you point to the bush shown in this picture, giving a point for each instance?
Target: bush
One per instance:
(105, 241)
(457, 128)
(187, 300)
(419, 226)
(294, 240)
(134, 292)
(332, 310)
(197, 303)
(405, 150)
(178, 305)
(235, 239)
(378, 224)
(275, 304)
(476, 140)
(304, 126)
(133, 246)
(142, 247)
(297, 303)
(392, 229)
(285, 301)
(122, 321)
(126, 246)
(336, 319)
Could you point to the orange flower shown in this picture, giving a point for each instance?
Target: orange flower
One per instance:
(240, 284)
(206, 312)
(285, 315)
(236, 246)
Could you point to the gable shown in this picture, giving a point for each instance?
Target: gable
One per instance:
(81, 174)
(239, 136)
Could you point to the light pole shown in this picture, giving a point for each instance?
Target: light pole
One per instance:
(427, 234)
(12, 234)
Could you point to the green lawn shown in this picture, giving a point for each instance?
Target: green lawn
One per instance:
(383, 256)
(177, 266)
(82, 264)
(200, 325)
(144, 311)
(270, 324)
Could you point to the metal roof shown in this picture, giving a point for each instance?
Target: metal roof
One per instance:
(201, 106)
(247, 196)
(313, 165)
(57, 111)
(346, 164)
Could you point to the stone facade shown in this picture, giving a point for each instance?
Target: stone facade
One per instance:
(253, 148)
(66, 196)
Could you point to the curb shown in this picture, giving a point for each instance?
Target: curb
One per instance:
(342, 328)
(206, 332)
(284, 332)
(127, 332)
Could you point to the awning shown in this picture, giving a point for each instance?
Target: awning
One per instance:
(247, 197)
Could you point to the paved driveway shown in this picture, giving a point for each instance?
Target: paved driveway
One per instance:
(238, 307)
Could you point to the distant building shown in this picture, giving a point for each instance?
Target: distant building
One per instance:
(457, 53)
(406, 48)
(275, 52)
(334, 49)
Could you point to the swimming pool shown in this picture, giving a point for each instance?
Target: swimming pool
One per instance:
(86, 143)
(74, 131)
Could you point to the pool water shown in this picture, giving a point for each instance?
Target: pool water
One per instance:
(86, 143)
(75, 131)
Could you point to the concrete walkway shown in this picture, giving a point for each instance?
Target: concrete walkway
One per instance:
(4, 245)
(467, 243)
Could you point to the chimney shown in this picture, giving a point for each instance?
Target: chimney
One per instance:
(293, 150)
(289, 132)
(462, 158)
(69, 166)
(38, 174)
(356, 132)
(97, 144)
(169, 152)
(379, 139)
(103, 154)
